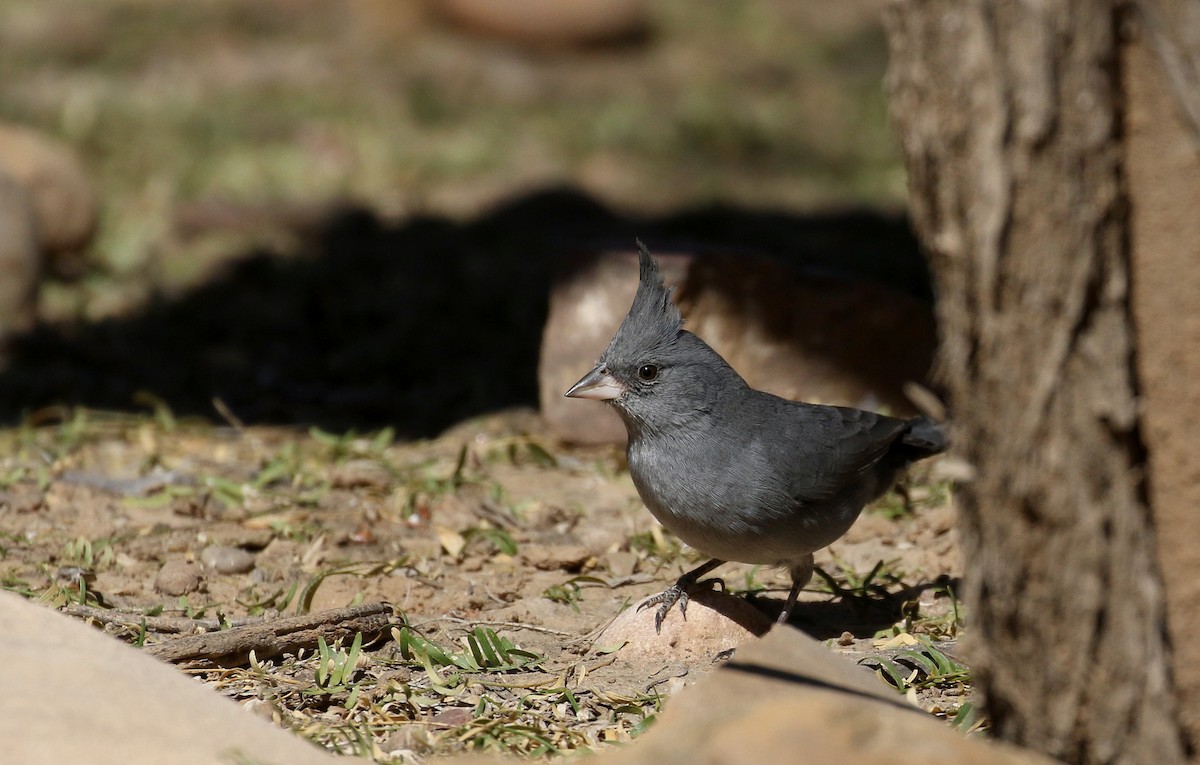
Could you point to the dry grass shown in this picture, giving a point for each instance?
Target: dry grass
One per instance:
(276, 110)
(470, 536)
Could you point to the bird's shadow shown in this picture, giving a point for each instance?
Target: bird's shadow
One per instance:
(417, 325)
(861, 613)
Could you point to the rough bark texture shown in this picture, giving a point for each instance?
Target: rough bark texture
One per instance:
(1161, 78)
(1009, 118)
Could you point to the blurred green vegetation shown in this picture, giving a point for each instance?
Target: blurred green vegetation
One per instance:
(280, 103)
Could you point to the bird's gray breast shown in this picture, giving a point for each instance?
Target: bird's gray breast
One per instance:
(726, 501)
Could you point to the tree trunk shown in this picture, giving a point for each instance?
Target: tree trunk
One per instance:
(1010, 118)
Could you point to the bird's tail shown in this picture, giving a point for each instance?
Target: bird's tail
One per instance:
(925, 437)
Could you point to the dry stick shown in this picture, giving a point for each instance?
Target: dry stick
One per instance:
(514, 625)
(276, 636)
(155, 623)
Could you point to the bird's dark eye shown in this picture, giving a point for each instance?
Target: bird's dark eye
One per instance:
(647, 372)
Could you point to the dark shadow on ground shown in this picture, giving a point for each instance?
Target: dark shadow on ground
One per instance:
(861, 614)
(417, 326)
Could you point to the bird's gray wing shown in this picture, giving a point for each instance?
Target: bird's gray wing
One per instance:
(837, 447)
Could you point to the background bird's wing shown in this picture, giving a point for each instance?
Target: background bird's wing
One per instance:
(834, 448)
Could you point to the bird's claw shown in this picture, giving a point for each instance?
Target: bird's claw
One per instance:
(676, 593)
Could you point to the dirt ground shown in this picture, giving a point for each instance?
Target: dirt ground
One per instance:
(153, 528)
(324, 222)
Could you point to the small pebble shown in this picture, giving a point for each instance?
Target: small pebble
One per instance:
(260, 708)
(620, 563)
(178, 577)
(453, 717)
(227, 560)
(565, 557)
(407, 737)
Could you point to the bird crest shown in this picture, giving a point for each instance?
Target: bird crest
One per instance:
(653, 319)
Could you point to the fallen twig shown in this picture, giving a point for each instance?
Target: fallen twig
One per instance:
(164, 624)
(275, 636)
(513, 625)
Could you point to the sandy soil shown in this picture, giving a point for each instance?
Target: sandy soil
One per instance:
(491, 525)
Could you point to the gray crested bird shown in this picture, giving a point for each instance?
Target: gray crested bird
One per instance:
(737, 473)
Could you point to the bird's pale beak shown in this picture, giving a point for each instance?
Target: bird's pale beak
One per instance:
(597, 385)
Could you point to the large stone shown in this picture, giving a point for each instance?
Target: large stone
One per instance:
(800, 336)
(788, 698)
(63, 200)
(715, 623)
(19, 261)
(74, 694)
(550, 22)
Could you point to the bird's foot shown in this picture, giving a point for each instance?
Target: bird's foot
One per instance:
(676, 593)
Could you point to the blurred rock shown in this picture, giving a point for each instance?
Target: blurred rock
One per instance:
(63, 200)
(19, 261)
(800, 336)
(386, 19)
(119, 704)
(788, 698)
(550, 23)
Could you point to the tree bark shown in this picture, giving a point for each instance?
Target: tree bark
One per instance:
(1010, 118)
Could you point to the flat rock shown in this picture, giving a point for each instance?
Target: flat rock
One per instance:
(788, 694)
(78, 695)
(798, 335)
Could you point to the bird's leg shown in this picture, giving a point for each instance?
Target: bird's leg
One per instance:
(677, 593)
(801, 573)
(901, 488)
